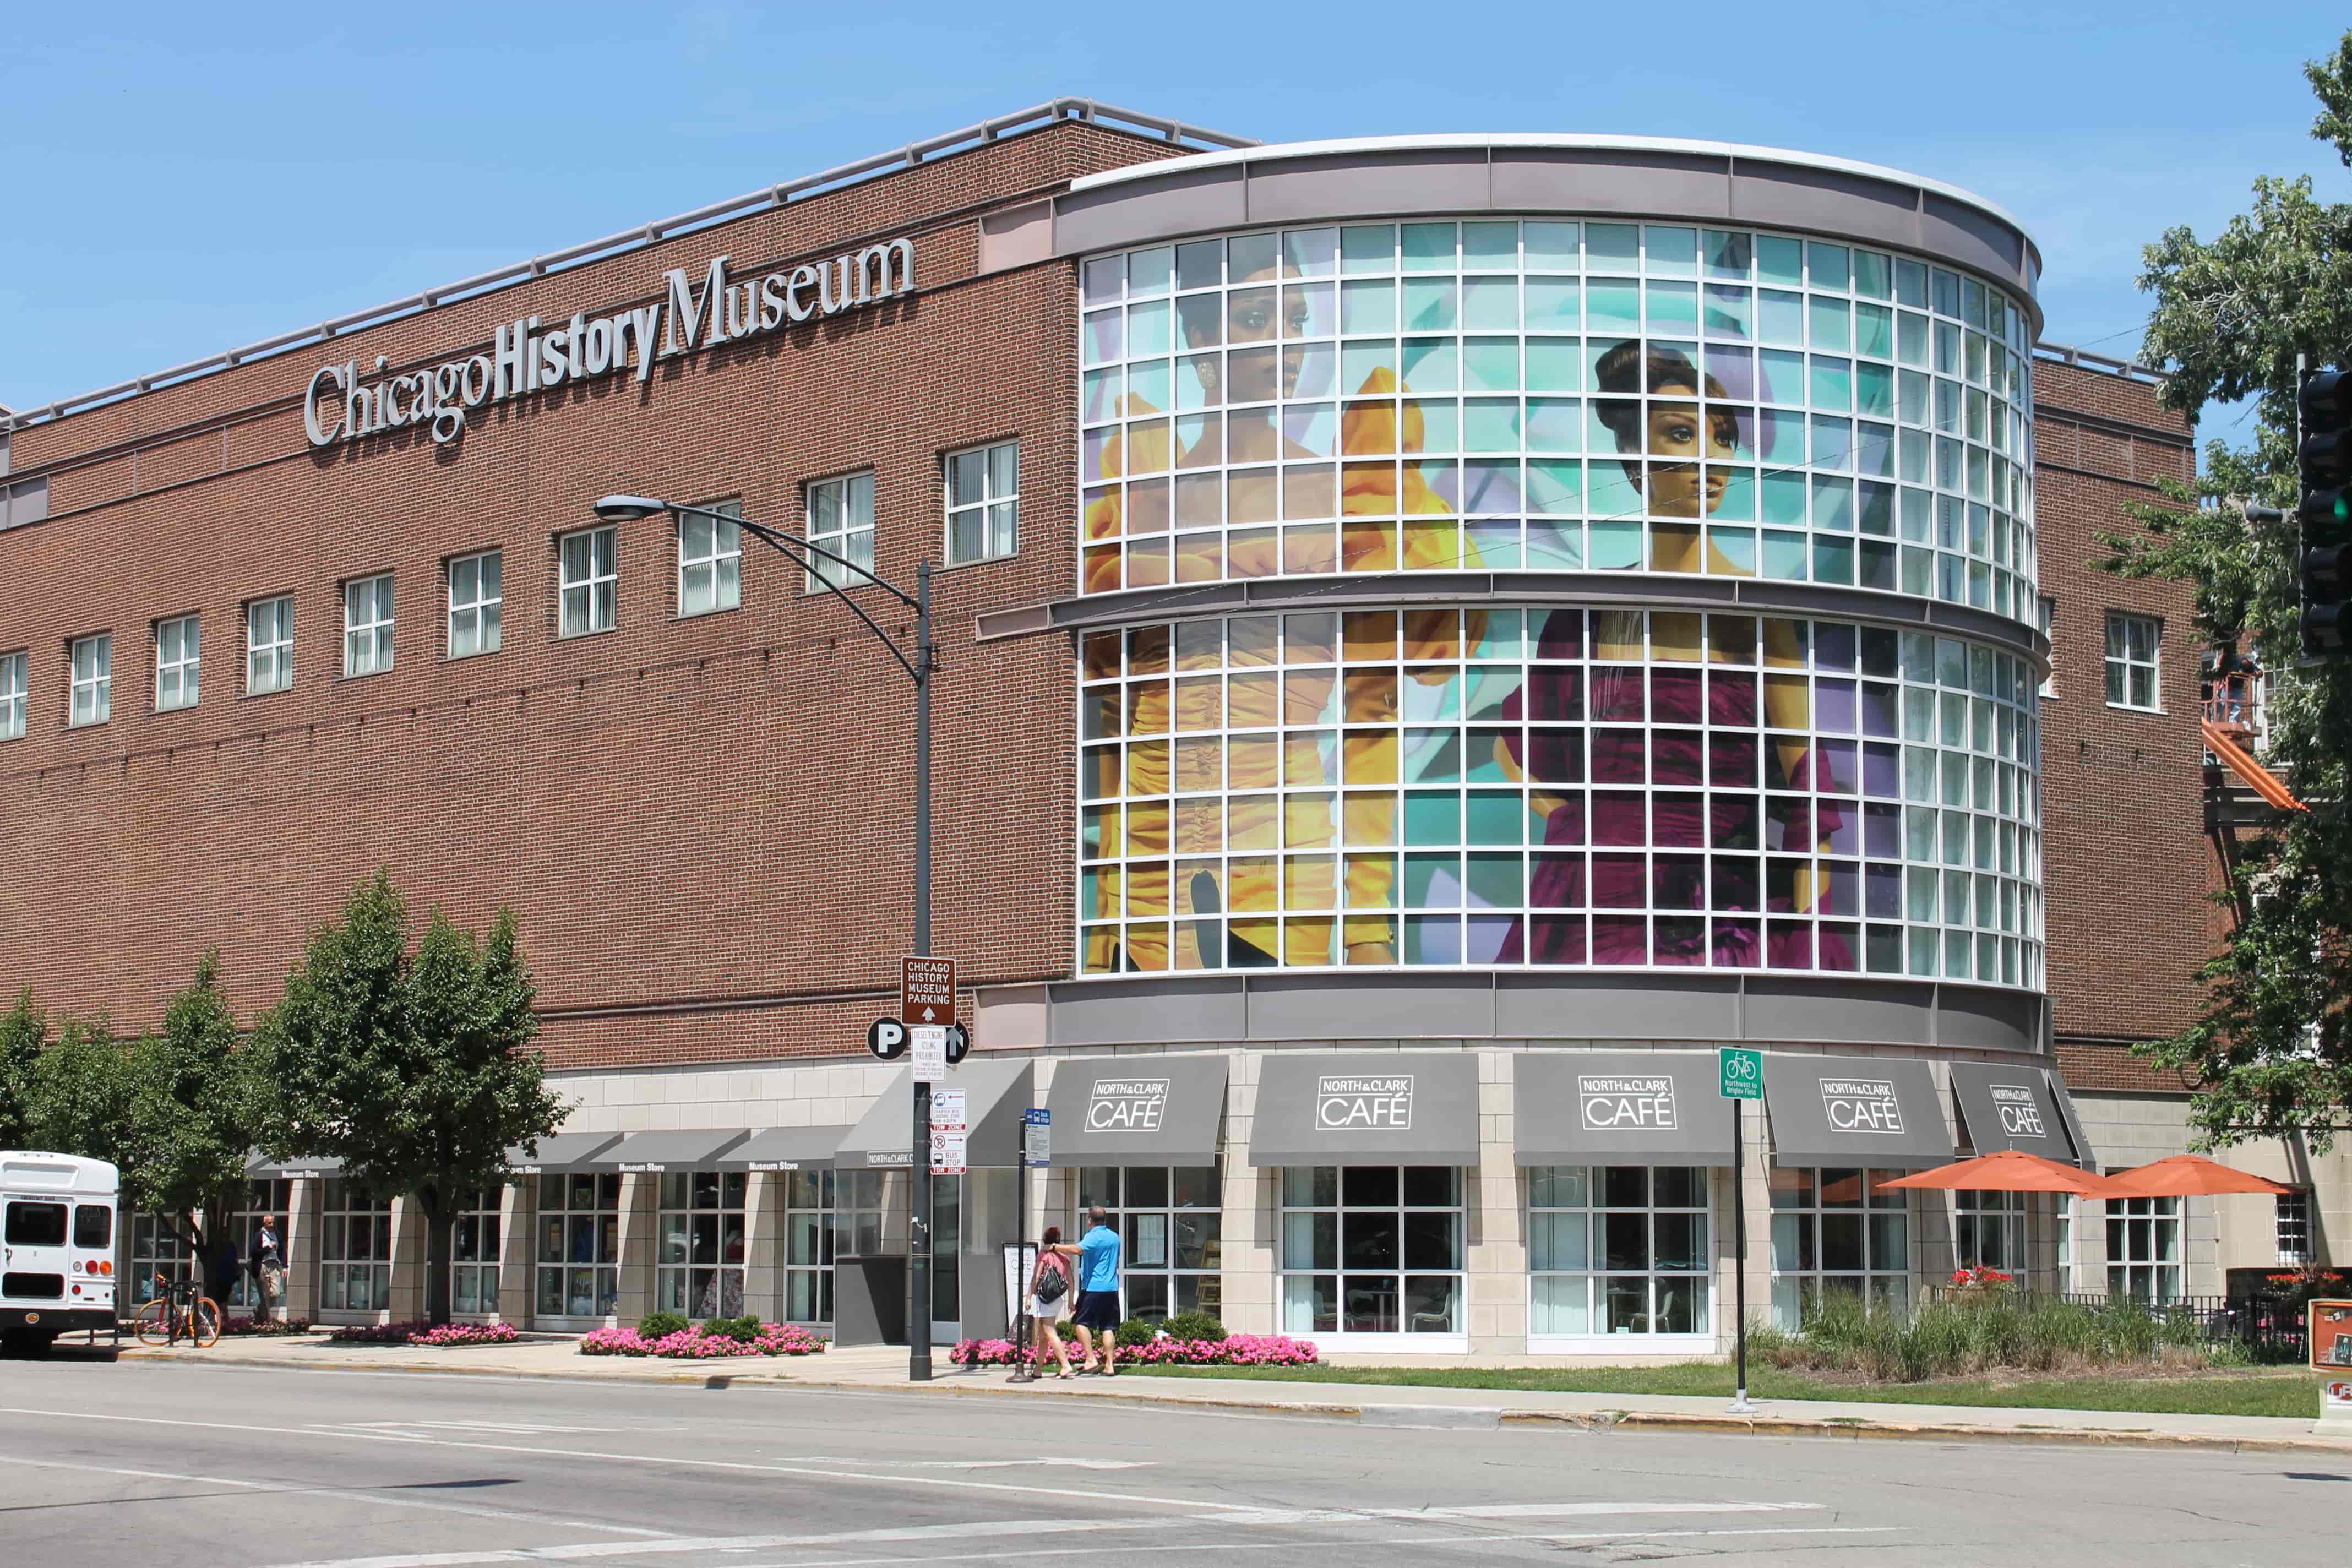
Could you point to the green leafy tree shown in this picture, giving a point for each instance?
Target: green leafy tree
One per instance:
(2270, 1053)
(24, 1031)
(415, 1071)
(197, 1109)
(82, 1095)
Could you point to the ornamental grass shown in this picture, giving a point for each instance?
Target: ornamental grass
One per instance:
(1969, 1334)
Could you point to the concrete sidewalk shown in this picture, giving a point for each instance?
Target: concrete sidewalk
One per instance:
(884, 1369)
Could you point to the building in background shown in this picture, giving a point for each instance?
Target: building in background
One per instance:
(1440, 634)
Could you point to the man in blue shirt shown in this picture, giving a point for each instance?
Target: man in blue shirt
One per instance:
(1097, 1312)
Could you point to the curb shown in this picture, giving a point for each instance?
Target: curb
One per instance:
(1597, 1421)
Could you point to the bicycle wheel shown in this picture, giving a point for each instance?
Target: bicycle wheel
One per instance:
(207, 1322)
(154, 1323)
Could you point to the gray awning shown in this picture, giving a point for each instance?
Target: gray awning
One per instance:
(2012, 1107)
(263, 1170)
(995, 1094)
(658, 1152)
(1137, 1110)
(2086, 1156)
(1383, 1110)
(1620, 1108)
(785, 1149)
(562, 1152)
(1854, 1111)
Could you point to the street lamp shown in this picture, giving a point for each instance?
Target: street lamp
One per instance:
(919, 669)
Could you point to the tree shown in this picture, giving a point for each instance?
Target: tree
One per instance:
(82, 1098)
(197, 1110)
(23, 1032)
(2270, 1054)
(417, 1072)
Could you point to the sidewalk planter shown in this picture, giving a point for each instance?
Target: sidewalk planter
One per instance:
(693, 1344)
(1236, 1350)
(447, 1336)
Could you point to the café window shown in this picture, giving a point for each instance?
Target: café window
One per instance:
(474, 1251)
(808, 1245)
(1989, 1230)
(264, 1199)
(1171, 1221)
(701, 1271)
(1617, 1249)
(1835, 1232)
(354, 1250)
(579, 1245)
(1372, 1249)
(2144, 1248)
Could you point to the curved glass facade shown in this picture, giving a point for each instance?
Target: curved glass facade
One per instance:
(1555, 786)
(1553, 394)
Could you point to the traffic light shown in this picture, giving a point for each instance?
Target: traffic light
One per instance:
(2324, 514)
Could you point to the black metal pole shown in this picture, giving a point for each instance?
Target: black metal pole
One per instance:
(918, 1226)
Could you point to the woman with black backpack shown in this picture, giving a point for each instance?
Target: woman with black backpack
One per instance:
(1049, 1298)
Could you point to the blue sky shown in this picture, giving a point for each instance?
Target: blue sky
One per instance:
(184, 179)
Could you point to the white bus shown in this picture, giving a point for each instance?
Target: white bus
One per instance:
(56, 1248)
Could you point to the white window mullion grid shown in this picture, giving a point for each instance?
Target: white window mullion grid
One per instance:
(1374, 1251)
(984, 500)
(178, 662)
(1170, 1221)
(709, 561)
(1989, 1231)
(474, 1237)
(1619, 1250)
(809, 1239)
(91, 665)
(476, 603)
(269, 645)
(841, 518)
(2144, 1259)
(264, 1197)
(1927, 370)
(2135, 647)
(589, 577)
(354, 1250)
(579, 1251)
(367, 624)
(15, 696)
(2293, 1220)
(701, 1241)
(1835, 1232)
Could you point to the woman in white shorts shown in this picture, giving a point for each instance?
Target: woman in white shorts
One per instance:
(1053, 1258)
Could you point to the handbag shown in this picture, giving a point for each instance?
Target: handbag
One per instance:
(1050, 1286)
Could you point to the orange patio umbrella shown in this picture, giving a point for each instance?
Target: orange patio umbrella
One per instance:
(2191, 1175)
(2011, 1171)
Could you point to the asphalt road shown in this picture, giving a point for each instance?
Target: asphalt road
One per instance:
(166, 1465)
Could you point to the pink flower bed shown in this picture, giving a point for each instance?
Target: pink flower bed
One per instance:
(1235, 1350)
(424, 1333)
(693, 1344)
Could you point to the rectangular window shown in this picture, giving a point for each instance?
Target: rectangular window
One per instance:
(1989, 1231)
(841, 518)
(1835, 1232)
(579, 1245)
(265, 1198)
(178, 649)
(269, 645)
(1617, 1249)
(589, 577)
(159, 1257)
(93, 680)
(809, 1245)
(983, 502)
(2144, 1248)
(1170, 1220)
(2294, 1228)
(13, 697)
(474, 1251)
(710, 559)
(367, 624)
(699, 1268)
(2046, 612)
(2132, 649)
(354, 1248)
(1372, 1249)
(475, 604)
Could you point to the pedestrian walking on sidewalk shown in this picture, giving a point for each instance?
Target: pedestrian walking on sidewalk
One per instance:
(1049, 1299)
(269, 1267)
(1097, 1309)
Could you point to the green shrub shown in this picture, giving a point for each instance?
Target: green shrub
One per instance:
(659, 1325)
(746, 1328)
(1961, 1336)
(1195, 1326)
(1136, 1332)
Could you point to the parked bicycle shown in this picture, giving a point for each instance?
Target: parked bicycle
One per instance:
(179, 1311)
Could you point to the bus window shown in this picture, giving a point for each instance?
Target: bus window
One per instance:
(93, 1225)
(36, 1225)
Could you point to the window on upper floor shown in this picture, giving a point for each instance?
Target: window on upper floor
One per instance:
(178, 662)
(476, 604)
(269, 645)
(91, 680)
(13, 697)
(2046, 614)
(2134, 645)
(841, 518)
(367, 624)
(2294, 1227)
(589, 577)
(983, 502)
(711, 560)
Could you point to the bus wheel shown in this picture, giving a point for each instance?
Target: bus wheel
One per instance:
(25, 1344)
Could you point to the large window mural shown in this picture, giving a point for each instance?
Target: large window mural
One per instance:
(1554, 395)
(1555, 786)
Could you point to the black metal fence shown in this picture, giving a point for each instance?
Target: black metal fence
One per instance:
(2270, 1327)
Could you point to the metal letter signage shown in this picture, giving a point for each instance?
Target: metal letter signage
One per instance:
(1353, 1104)
(927, 991)
(1127, 1104)
(1862, 1105)
(1626, 1104)
(2020, 1114)
(526, 357)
